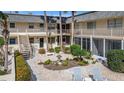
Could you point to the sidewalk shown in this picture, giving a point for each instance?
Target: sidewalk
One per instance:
(11, 68)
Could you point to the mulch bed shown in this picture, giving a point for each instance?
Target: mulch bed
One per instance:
(61, 67)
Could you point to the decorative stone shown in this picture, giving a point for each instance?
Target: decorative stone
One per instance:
(60, 63)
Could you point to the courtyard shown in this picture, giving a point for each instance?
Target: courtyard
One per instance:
(42, 73)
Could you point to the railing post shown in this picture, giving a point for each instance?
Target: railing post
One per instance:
(104, 47)
(91, 43)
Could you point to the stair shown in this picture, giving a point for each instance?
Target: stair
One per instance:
(25, 47)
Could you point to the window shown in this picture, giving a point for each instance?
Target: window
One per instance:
(115, 23)
(91, 25)
(31, 40)
(12, 25)
(41, 25)
(12, 41)
(31, 26)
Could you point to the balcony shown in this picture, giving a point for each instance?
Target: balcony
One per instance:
(113, 32)
(32, 31)
(65, 31)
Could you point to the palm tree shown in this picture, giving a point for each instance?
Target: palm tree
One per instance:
(72, 27)
(46, 28)
(5, 34)
(60, 25)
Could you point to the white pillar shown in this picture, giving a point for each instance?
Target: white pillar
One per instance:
(91, 44)
(81, 42)
(122, 44)
(104, 47)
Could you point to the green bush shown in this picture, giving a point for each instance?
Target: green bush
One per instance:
(83, 63)
(42, 51)
(76, 51)
(87, 54)
(115, 56)
(47, 62)
(23, 72)
(116, 66)
(65, 63)
(115, 60)
(51, 50)
(1, 41)
(2, 72)
(57, 49)
(67, 50)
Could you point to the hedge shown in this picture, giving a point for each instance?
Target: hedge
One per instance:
(23, 72)
(115, 56)
(116, 66)
(115, 60)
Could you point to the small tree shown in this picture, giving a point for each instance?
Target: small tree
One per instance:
(76, 51)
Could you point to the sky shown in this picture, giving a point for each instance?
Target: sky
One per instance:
(50, 13)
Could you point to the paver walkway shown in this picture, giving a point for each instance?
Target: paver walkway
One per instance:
(11, 67)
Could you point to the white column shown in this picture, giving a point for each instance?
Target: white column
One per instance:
(91, 44)
(122, 44)
(81, 42)
(104, 47)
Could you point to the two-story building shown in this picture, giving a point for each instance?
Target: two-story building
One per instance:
(99, 31)
(27, 32)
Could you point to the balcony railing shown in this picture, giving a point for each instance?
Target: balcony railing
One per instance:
(65, 31)
(100, 32)
(31, 31)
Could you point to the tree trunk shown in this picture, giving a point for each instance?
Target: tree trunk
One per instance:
(46, 29)
(72, 28)
(60, 24)
(6, 44)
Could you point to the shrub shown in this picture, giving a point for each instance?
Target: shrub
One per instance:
(57, 49)
(17, 53)
(83, 63)
(1, 41)
(47, 62)
(76, 51)
(42, 51)
(2, 72)
(87, 54)
(115, 56)
(116, 60)
(23, 72)
(51, 50)
(67, 50)
(116, 66)
(65, 63)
